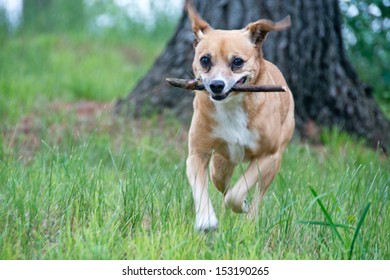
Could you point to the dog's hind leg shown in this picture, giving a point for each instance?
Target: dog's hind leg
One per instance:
(198, 177)
(261, 171)
(268, 170)
(221, 172)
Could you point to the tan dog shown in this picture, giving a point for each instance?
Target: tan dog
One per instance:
(231, 127)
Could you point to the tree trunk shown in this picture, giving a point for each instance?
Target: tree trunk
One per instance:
(310, 54)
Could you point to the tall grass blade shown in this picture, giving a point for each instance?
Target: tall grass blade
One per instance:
(331, 224)
(359, 225)
(320, 223)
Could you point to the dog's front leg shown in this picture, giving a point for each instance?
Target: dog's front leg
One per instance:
(199, 180)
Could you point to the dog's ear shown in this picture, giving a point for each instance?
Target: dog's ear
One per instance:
(258, 30)
(199, 25)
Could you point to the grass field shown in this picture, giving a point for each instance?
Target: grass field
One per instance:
(78, 182)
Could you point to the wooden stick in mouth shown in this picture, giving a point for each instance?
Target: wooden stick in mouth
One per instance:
(196, 85)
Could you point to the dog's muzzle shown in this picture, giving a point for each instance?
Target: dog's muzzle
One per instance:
(218, 89)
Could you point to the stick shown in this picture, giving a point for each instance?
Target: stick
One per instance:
(195, 85)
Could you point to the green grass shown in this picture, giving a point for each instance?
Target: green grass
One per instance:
(102, 187)
(69, 67)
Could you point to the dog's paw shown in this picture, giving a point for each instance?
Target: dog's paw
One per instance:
(245, 206)
(206, 223)
(233, 203)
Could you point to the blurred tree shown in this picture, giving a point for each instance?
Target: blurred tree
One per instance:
(53, 15)
(311, 55)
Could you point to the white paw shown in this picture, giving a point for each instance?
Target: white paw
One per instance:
(234, 204)
(206, 223)
(245, 206)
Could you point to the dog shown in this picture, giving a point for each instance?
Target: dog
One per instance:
(229, 127)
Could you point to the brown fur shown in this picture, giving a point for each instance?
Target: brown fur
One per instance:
(264, 122)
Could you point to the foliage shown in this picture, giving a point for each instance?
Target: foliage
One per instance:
(367, 36)
(3, 25)
(105, 17)
(98, 17)
(53, 16)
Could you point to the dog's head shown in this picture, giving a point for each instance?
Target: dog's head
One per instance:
(224, 58)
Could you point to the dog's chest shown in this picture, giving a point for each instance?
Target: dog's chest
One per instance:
(232, 128)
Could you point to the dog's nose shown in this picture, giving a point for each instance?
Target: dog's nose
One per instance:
(217, 86)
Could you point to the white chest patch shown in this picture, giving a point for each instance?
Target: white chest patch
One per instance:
(232, 127)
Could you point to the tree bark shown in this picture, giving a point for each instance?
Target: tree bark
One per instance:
(310, 54)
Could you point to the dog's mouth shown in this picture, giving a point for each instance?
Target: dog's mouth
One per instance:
(222, 96)
(219, 97)
(242, 80)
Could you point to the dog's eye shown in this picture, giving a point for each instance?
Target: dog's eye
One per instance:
(237, 63)
(205, 61)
